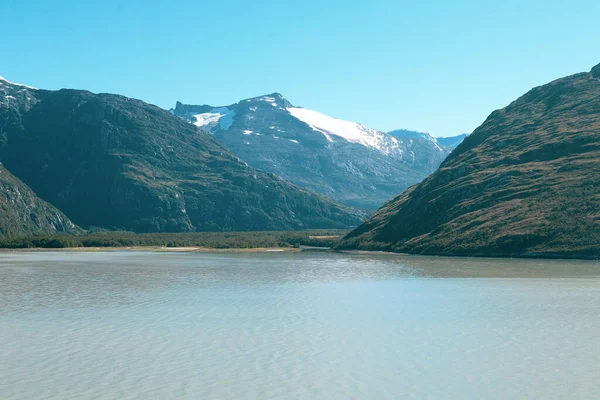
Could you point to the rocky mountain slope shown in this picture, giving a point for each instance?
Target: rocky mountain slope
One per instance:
(115, 162)
(525, 183)
(449, 143)
(343, 160)
(22, 213)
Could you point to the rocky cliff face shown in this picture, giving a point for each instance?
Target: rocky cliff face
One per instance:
(22, 213)
(116, 162)
(343, 160)
(526, 182)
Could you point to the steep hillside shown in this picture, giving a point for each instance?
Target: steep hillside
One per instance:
(525, 183)
(22, 213)
(343, 160)
(115, 162)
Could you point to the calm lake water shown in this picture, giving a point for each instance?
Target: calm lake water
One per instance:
(142, 325)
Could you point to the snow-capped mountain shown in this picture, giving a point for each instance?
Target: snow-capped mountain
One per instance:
(344, 160)
(6, 82)
(450, 142)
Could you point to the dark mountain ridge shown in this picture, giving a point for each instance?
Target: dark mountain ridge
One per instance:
(115, 162)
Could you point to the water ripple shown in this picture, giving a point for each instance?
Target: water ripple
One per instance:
(135, 325)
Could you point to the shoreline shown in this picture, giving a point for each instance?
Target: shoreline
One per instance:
(158, 249)
(539, 256)
(198, 249)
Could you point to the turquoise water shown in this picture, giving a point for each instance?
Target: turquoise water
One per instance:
(143, 325)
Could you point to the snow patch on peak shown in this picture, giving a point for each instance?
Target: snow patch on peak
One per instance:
(205, 119)
(350, 131)
(222, 115)
(2, 79)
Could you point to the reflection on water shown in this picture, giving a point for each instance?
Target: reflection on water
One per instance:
(140, 325)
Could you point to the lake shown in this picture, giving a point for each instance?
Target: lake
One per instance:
(153, 325)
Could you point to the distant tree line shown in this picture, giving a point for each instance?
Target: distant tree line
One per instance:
(214, 240)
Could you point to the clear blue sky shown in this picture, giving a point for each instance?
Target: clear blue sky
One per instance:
(435, 66)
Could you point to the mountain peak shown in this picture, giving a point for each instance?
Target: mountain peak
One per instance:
(596, 71)
(263, 97)
(273, 98)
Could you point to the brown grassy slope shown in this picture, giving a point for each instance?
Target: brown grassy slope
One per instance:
(526, 182)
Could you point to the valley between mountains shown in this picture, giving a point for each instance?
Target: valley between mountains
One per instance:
(525, 183)
(112, 162)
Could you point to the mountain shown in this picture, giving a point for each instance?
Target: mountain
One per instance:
(343, 160)
(115, 162)
(525, 183)
(452, 142)
(407, 133)
(449, 143)
(22, 213)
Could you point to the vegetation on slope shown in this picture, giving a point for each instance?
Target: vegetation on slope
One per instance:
(525, 183)
(211, 240)
(119, 163)
(23, 213)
